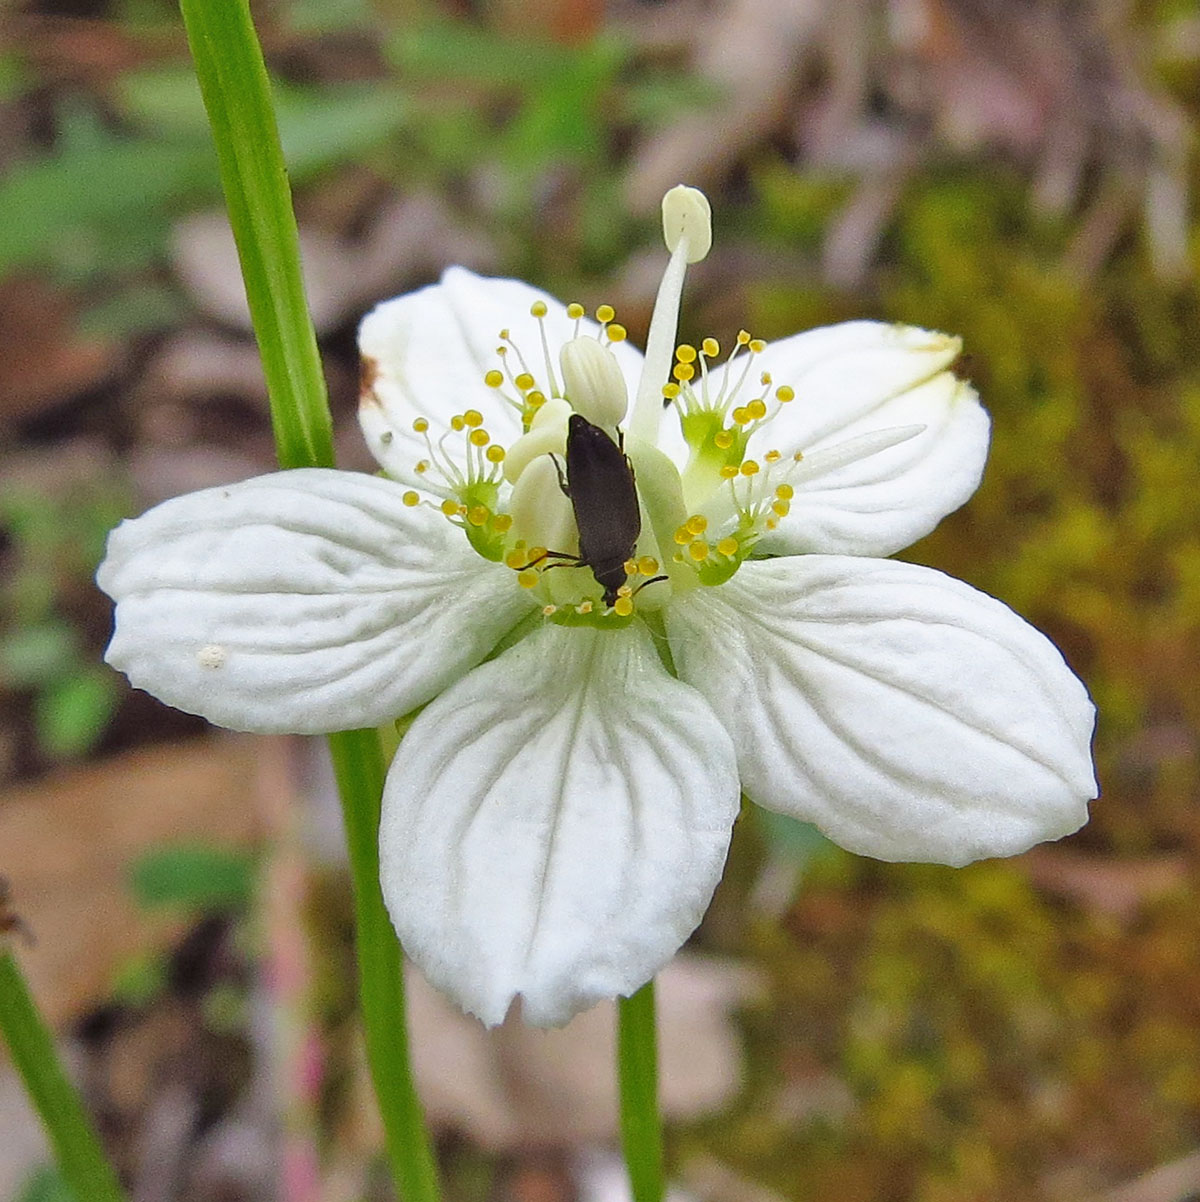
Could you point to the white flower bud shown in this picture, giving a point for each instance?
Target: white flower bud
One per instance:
(593, 382)
(686, 214)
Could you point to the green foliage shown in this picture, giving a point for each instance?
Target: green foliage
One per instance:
(45, 1185)
(56, 543)
(193, 876)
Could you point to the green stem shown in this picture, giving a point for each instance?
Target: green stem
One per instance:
(359, 768)
(76, 1146)
(637, 1072)
(236, 91)
(233, 81)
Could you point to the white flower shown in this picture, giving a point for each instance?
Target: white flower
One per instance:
(558, 814)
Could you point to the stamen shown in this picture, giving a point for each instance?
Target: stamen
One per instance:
(538, 310)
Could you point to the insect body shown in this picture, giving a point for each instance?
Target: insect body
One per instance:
(599, 483)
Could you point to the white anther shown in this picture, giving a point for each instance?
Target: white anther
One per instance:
(548, 438)
(555, 412)
(593, 382)
(541, 513)
(687, 214)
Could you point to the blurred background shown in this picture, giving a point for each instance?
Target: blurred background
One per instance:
(1020, 172)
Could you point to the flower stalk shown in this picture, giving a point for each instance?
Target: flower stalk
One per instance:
(637, 1074)
(76, 1146)
(233, 80)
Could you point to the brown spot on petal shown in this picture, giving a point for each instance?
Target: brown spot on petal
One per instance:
(368, 373)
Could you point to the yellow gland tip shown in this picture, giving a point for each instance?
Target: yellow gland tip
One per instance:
(728, 472)
(670, 391)
(536, 553)
(450, 508)
(757, 410)
(457, 423)
(785, 492)
(630, 567)
(723, 439)
(648, 565)
(537, 309)
(783, 394)
(527, 578)
(697, 523)
(535, 399)
(473, 418)
(728, 547)
(575, 310)
(420, 425)
(711, 347)
(683, 371)
(757, 345)
(750, 468)
(478, 515)
(617, 333)
(480, 438)
(781, 508)
(516, 559)
(605, 313)
(411, 498)
(524, 381)
(685, 353)
(495, 453)
(698, 550)
(422, 466)
(623, 606)
(683, 536)
(741, 415)
(502, 523)
(743, 336)
(494, 378)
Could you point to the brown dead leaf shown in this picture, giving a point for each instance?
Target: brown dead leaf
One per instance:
(45, 362)
(67, 842)
(518, 1086)
(1118, 888)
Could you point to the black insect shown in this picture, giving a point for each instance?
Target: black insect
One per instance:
(599, 483)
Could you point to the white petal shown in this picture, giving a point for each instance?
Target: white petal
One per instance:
(303, 601)
(906, 714)
(853, 381)
(554, 824)
(425, 355)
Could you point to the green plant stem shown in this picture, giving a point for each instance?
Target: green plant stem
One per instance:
(359, 768)
(637, 1073)
(233, 81)
(237, 97)
(76, 1146)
